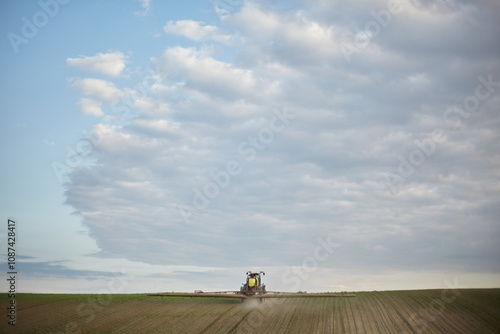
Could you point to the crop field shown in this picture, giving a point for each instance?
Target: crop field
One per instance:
(419, 311)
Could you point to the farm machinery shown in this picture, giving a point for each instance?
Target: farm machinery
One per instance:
(252, 288)
(253, 284)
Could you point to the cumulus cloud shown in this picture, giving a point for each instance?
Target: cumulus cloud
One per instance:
(90, 107)
(289, 141)
(297, 34)
(198, 31)
(207, 75)
(111, 64)
(97, 89)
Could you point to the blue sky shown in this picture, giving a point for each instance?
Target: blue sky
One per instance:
(337, 146)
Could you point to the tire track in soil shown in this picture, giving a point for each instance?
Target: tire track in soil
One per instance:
(383, 326)
(299, 317)
(313, 306)
(296, 322)
(389, 316)
(338, 316)
(469, 323)
(355, 306)
(440, 321)
(446, 320)
(165, 317)
(390, 312)
(316, 323)
(327, 315)
(320, 309)
(455, 320)
(345, 316)
(263, 317)
(389, 297)
(288, 326)
(158, 321)
(350, 316)
(370, 312)
(323, 321)
(280, 319)
(463, 322)
(371, 319)
(118, 317)
(169, 317)
(421, 303)
(205, 330)
(418, 306)
(484, 315)
(441, 318)
(233, 329)
(376, 324)
(40, 312)
(203, 313)
(311, 309)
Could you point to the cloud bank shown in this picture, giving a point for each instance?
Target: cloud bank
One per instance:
(392, 149)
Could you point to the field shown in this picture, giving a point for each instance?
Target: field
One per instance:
(420, 311)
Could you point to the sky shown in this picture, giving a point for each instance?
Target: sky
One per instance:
(153, 146)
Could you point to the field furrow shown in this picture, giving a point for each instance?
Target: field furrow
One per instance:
(402, 312)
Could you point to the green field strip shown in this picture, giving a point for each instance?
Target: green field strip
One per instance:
(163, 320)
(213, 323)
(433, 320)
(378, 323)
(239, 322)
(289, 326)
(328, 316)
(472, 311)
(369, 319)
(338, 322)
(420, 302)
(314, 312)
(279, 317)
(355, 315)
(397, 302)
(302, 318)
(386, 320)
(483, 305)
(200, 315)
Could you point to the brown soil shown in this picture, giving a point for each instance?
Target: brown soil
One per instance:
(426, 311)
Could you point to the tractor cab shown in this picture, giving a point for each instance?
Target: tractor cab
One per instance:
(253, 284)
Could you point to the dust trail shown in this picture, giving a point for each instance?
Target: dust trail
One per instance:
(251, 303)
(258, 313)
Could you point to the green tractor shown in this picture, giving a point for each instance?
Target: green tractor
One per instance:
(253, 285)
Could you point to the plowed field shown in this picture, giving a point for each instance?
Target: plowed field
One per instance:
(421, 311)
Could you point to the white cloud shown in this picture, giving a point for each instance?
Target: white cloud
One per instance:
(321, 174)
(111, 64)
(152, 107)
(160, 125)
(146, 7)
(206, 74)
(198, 31)
(90, 107)
(99, 90)
(296, 34)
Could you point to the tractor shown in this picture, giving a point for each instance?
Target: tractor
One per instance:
(253, 285)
